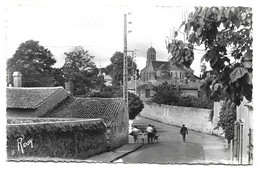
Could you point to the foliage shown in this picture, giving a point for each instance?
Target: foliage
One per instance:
(59, 79)
(191, 101)
(79, 69)
(227, 117)
(168, 94)
(35, 63)
(224, 29)
(115, 69)
(182, 53)
(135, 104)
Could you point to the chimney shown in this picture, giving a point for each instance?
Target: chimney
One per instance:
(69, 87)
(17, 79)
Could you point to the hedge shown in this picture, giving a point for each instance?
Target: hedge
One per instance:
(77, 139)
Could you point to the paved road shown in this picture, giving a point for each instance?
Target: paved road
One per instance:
(199, 147)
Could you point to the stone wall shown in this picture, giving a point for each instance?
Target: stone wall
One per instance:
(77, 139)
(193, 118)
(118, 131)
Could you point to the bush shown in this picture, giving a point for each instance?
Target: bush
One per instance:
(135, 105)
(191, 101)
(166, 94)
(169, 95)
(227, 117)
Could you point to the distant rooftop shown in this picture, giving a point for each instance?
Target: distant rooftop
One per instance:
(28, 97)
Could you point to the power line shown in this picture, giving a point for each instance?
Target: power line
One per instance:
(64, 46)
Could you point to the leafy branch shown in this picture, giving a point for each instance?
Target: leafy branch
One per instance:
(226, 33)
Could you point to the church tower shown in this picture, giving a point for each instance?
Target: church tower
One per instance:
(151, 55)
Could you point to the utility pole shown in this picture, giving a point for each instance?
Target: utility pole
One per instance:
(125, 68)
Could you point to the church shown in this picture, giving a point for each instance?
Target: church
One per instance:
(157, 72)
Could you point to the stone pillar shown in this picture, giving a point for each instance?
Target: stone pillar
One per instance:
(17, 79)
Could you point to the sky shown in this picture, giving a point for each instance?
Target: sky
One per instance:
(98, 27)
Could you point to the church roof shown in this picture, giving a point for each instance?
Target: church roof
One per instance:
(160, 65)
(175, 68)
(151, 50)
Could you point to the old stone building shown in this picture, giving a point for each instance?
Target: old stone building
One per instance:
(56, 102)
(158, 72)
(112, 111)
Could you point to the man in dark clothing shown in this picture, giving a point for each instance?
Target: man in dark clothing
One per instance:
(183, 132)
(154, 132)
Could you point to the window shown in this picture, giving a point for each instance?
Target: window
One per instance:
(147, 93)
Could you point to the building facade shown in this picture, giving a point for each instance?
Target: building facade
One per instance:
(158, 72)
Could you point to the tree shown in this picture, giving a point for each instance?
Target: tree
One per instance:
(115, 69)
(34, 62)
(166, 94)
(170, 95)
(79, 69)
(59, 78)
(182, 53)
(135, 105)
(226, 33)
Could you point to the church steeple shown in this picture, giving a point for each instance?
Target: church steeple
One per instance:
(151, 55)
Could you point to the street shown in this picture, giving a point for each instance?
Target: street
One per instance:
(199, 147)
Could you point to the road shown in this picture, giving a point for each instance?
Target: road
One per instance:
(199, 147)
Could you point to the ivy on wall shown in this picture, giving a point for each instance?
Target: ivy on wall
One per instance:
(227, 117)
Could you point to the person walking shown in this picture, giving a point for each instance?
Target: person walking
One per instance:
(142, 136)
(149, 131)
(183, 132)
(135, 133)
(154, 132)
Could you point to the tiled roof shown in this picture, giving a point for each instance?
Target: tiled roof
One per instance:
(146, 85)
(175, 68)
(28, 98)
(160, 65)
(91, 108)
(188, 87)
(194, 78)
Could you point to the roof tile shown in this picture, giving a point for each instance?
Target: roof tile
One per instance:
(28, 98)
(104, 108)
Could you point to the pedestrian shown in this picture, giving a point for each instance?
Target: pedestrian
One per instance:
(183, 132)
(154, 132)
(149, 131)
(142, 136)
(155, 135)
(135, 133)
